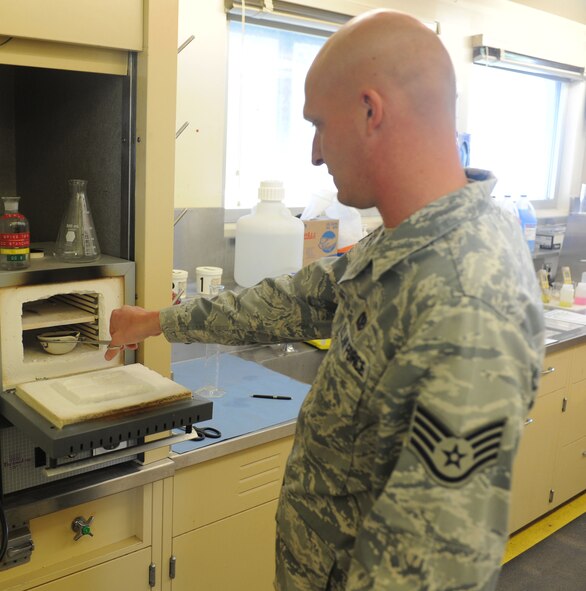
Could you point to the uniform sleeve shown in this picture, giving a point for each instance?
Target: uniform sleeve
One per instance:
(288, 308)
(440, 523)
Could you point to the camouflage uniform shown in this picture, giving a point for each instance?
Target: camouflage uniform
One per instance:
(400, 471)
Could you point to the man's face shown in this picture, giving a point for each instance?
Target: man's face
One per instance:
(335, 141)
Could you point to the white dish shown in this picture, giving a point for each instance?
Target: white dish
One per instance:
(58, 342)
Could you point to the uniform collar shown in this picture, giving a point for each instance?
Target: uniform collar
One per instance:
(386, 247)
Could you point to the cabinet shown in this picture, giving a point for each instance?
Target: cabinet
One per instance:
(224, 520)
(120, 542)
(550, 466)
(108, 23)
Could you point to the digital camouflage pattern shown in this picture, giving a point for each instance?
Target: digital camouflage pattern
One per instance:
(400, 472)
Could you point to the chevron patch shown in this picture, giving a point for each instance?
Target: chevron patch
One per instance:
(453, 459)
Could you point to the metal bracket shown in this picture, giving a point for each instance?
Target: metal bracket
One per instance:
(19, 549)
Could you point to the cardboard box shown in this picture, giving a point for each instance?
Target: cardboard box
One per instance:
(321, 239)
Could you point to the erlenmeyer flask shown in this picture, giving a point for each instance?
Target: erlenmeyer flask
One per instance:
(77, 241)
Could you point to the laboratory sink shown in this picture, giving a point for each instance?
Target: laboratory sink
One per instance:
(295, 360)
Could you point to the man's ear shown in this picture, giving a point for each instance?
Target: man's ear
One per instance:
(373, 108)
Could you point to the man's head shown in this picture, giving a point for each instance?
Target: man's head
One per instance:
(381, 95)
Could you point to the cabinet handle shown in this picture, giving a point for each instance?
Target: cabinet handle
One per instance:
(529, 422)
(544, 372)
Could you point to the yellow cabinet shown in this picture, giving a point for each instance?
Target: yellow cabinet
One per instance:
(128, 573)
(237, 552)
(120, 526)
(224, 519)
(533, 468)
(550, 467)
(115, 24)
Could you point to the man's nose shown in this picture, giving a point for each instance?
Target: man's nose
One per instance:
(316, 157)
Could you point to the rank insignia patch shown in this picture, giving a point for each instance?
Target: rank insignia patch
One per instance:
(450, 458)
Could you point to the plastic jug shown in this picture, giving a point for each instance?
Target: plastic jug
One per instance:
(269, 240)
(509, 205)
(528, 221)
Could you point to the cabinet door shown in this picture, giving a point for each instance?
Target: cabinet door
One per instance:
(573, 425)
(534, 464)
(235, 553)
(570, 472)
(130, 573)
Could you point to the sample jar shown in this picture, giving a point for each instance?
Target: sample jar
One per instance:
(179, 285)
(206, 277)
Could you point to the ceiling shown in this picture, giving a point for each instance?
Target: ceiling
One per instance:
(571, 9)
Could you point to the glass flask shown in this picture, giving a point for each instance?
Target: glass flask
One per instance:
(14, 237)
(77, 241)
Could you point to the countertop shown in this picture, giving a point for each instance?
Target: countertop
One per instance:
(242, 420)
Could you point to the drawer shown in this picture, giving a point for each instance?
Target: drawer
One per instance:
(555, 372)
(132, 569)
(116, 24)
(121, 524)
(212, 490)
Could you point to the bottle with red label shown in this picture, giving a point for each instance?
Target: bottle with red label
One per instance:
(14, 237)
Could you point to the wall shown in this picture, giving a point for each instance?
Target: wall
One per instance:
(202, 68)
(202, 89)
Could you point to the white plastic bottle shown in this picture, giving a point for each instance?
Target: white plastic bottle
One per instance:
(269, 240)
(508, 204)
(528, 221)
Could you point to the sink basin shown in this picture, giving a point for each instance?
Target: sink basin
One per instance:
(298, 361)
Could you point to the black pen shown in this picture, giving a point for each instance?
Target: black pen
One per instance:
(271, 396)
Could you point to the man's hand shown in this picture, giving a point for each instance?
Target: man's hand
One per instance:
(129, 326)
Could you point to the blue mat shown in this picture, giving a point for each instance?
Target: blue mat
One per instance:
(236, 413)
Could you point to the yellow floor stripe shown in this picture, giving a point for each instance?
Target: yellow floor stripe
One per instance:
(539, 530)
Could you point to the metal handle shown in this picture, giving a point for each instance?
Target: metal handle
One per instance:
(16, 551)
(548, 370)
(131, 450)
(529, 422)
(185, 43)
(181, 129)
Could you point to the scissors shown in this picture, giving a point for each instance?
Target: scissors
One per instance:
(209, 432)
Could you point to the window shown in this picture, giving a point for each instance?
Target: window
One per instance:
(515, 128)
(267, 135)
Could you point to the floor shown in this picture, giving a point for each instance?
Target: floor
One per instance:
(534, 533)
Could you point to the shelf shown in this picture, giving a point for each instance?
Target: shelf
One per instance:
(47, 314)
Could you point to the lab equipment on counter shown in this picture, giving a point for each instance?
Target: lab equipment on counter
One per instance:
(580, 294)
(528, 221)
(207, 279)
(269, 240)
(179, 285)
(77, 241)
(14, 237)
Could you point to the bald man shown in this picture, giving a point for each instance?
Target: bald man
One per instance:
(400, 471)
